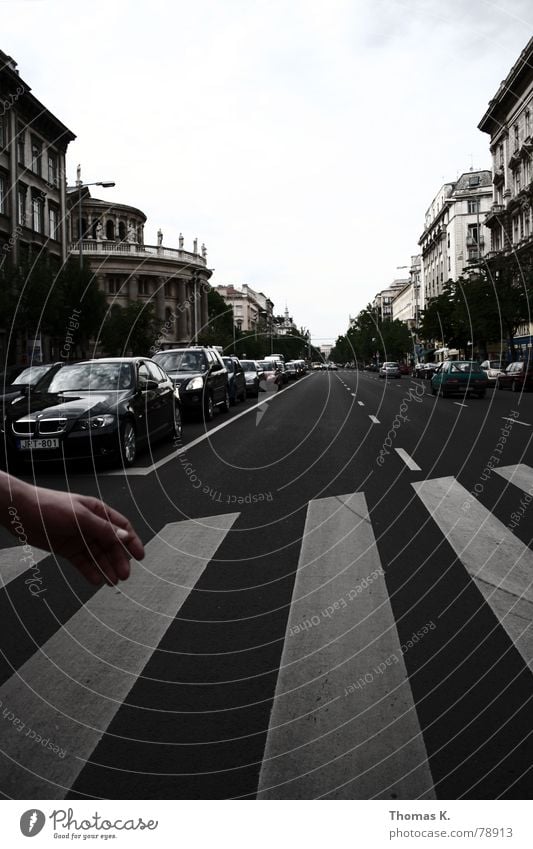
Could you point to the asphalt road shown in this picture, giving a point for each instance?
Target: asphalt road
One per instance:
(335, 602)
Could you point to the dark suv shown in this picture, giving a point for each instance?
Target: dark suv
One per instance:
(517, 376)
(236, 379)
(200, 376)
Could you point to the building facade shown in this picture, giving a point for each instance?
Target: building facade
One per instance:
(509, 121)
(252, 310)
(33, 204)
(174, 280)
(406, 304)
(454, 233)
(382, 303)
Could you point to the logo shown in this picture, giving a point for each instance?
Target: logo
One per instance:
(32, 822)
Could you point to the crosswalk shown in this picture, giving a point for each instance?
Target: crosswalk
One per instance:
(347, 718)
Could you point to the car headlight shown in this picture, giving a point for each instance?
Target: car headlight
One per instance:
(95, 422)
(195, 383)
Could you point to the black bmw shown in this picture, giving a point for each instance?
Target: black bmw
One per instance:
(99, 408)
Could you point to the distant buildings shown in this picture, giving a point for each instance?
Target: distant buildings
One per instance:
(252, 311)
(454, 232)
(406, 304)
(382, 302)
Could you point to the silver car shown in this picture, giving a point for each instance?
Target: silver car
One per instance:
(390, 370)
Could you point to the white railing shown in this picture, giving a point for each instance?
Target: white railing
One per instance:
(103, 246)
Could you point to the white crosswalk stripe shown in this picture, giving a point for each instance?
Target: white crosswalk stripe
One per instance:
(68, 692)
(519, 475)
(331, 735)
(500, 564)
(15, 561)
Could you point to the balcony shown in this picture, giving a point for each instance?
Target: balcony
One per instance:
(497, 210)
(472, 242)
(95, 247)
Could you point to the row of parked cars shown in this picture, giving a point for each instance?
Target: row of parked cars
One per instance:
(517, 376)
(111, 407)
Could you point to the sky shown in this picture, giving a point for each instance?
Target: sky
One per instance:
(301, 140)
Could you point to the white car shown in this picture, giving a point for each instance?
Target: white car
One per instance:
(493, 369)
(391, 370)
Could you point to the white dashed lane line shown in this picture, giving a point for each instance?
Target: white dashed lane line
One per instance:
(408, 460)
(374, 420)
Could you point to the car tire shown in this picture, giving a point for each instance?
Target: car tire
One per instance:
(128, 442)
(209, 408)
(226, 402)
(176, 429)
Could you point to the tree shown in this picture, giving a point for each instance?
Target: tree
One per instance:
(129, 330)
(219, 330)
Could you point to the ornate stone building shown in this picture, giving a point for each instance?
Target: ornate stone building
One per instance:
(112, 245)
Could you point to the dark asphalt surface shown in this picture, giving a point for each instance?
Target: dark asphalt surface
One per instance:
(194, 725)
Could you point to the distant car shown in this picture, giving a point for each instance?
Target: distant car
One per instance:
(404, 369)
(459, 376)
(493, 369)
(95, 409)
(293, 369)
(236, 379)
(390, 370)
(516, 377)
(200, 376)
(253, 375)
(27, 379)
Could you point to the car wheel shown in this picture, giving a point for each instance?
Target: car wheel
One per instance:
(226, 403)
(128, 442)
(176, 430)
(209, 409)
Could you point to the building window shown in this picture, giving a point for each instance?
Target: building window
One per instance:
(114, 285)
(37, 214)
(501, 155)
(52, 169)
(517, 181)
(2, 194)
(527, 171)
(21, 206)
(168, 289)
(144, 287)
(21, 144)
(53, 222)
(2, 132)
(110, 231)
(516, 138)
(36, 155)
(527, 120)
(473, 206)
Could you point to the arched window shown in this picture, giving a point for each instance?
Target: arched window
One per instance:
(168, 314)
(121, 231)
(110, 230)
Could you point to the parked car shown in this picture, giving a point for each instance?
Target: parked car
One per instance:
(517, 376)
(201, 377)
(98, 408)
(236, 379)
(293, 369)
(27, 379)
(253, 375)
(493, 369)
(459, 376)
(404, 369)
(390, 370)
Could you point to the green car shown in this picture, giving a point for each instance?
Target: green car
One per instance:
(460, 376)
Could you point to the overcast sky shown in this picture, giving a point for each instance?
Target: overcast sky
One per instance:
(301, 140)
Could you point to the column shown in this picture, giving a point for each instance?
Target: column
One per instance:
(133, 288)
(204, 306)
(183, 335)
(160, 299)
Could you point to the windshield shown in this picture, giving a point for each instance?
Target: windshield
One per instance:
(192, 361)
(248, 365)
(95, 377)
(466, 367)
(496, 364)
(31, 375)
(228, 362)
(268, 365)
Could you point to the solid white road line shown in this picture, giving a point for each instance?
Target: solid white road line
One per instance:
(520, 475)
(408, 460)
(460, 404)
(12, 565)
(374, 420)
(500, 564)
(147, 470)
(329, 737)
(68, 692)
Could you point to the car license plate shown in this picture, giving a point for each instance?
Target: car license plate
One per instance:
(30, 444)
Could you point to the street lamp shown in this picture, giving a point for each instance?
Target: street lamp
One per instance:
(107, 184)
